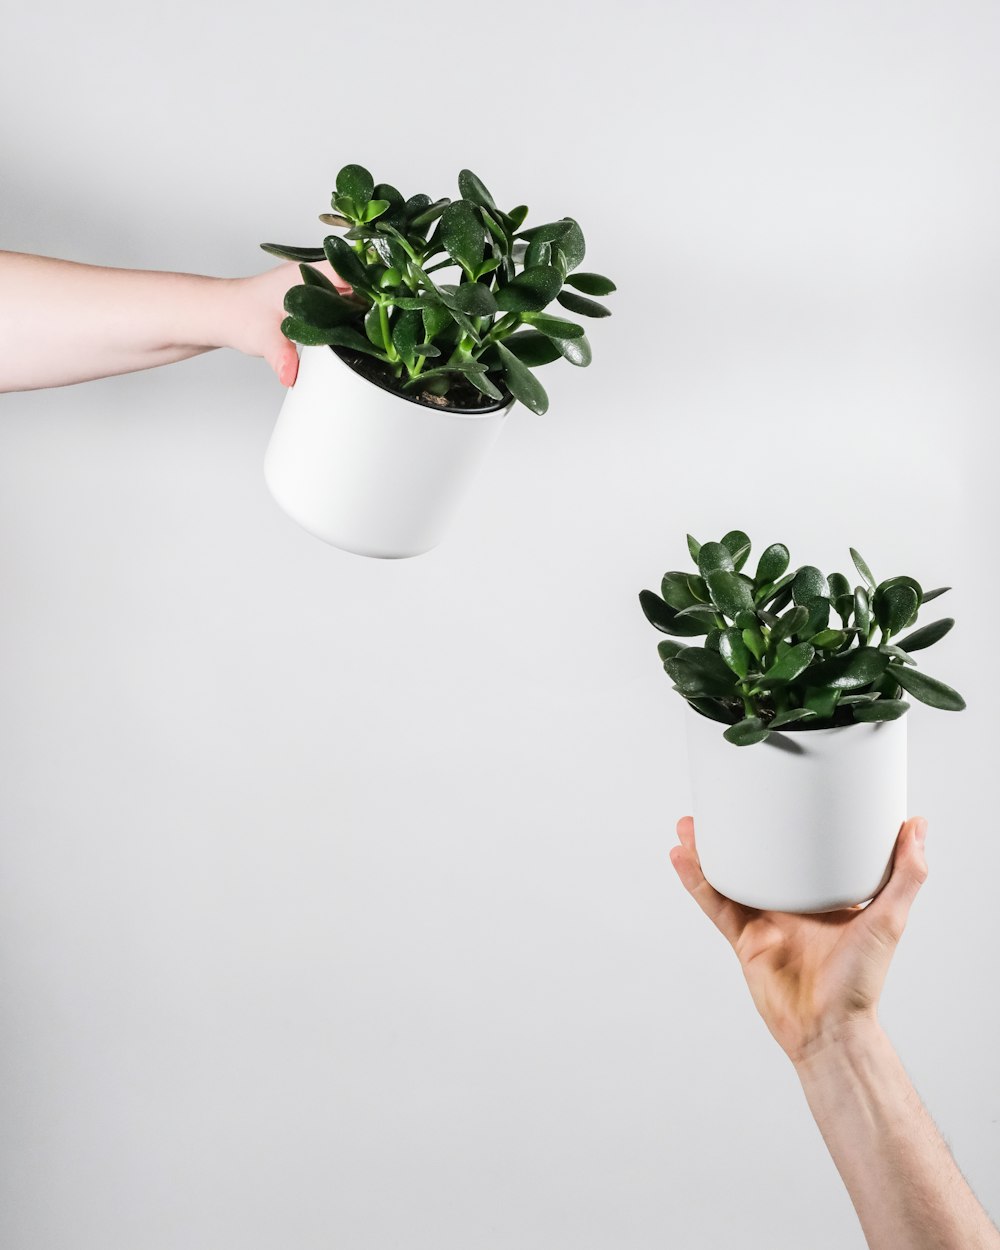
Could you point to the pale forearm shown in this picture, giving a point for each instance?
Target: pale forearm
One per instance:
(905, 1186)
(62, 322)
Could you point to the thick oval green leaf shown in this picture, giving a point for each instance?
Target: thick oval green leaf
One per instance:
(676, 591)
(897, 608)
(406, 334)
(788, 663)
(843, 605)
(698, 671)
(321, 307)
(356, 182)
(818, 619)
(738, 545)
(809, 583)
(901, 581)
(333, 219)
(890, 649)
(850, 670)
(665, 619)
(572, 245)
(591, 283)
(554, 327)
(895, 604)
(386, 191)
(285, 252)
(374, 209)
(700, 611)
(531, 290)
(522, 383)
(436, 318)
(863, 569)
(746, 732)
(933, 594)
(694, 547)
(532, 348)
(927, 689)
(926, 635)
(463, 234)
(712, 557)
(881, 709)
(777, 594)
(470, 297)
(823, 702)
(772, 563)
(497, 231)
(839, 586)
(754, 640)
(862, 610)
(576, 351)
(790, 623)
(829, 639)
(735, 651)
(549, 232)
(792, 714)
(373, 328)
(416, 204)
(339, 336)
(538, 253)
(344, 261)
(472, 188)
(581, 305)
(423, 217)
(668, 648)
(482, 383)
(314, 277)
(730, 593)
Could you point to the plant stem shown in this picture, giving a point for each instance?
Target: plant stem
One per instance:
(383, 321)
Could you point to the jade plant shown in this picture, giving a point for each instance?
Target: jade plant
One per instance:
(792, 647)
(489, 325)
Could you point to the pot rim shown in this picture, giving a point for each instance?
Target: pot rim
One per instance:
(450, 411)
(794, 728)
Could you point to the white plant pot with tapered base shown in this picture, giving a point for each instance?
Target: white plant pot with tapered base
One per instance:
(804, 821)
(367, 469)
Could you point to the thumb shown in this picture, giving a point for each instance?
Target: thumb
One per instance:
(891, 907)
(281, 355)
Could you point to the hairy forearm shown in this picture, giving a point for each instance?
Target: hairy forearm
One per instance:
(62, 322)
(905, 1186)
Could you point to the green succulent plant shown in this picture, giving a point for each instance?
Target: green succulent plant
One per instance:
(487, 326)
(799, 648)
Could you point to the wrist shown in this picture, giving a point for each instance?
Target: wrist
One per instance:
(214, 308)
(848, 1040)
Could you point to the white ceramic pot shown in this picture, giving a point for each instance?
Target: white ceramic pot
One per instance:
(364, 468)
(804, 821)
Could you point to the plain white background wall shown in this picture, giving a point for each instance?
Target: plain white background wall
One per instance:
(335, 907)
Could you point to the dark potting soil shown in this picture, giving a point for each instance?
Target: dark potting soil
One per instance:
(462, 397)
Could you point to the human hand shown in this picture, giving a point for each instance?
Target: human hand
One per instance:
(255, 312)
(813, 978)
